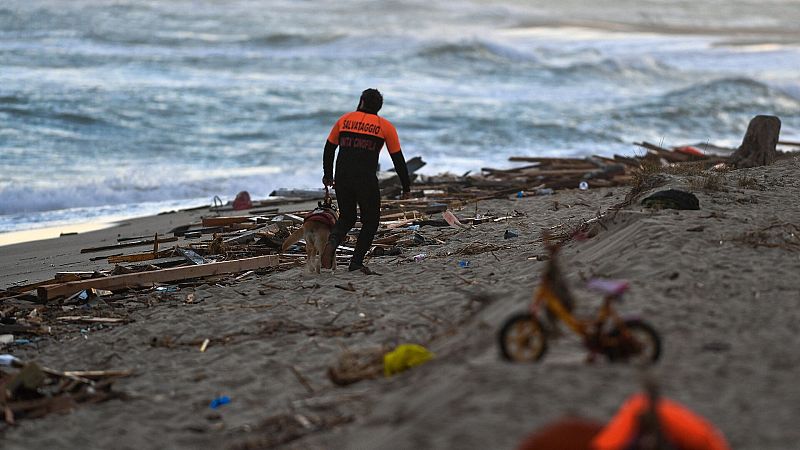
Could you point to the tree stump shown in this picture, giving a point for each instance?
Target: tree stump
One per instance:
(758, 145)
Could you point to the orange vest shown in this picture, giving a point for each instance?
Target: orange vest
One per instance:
(359, 130)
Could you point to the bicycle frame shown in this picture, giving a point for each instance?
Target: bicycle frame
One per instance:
(545, 295)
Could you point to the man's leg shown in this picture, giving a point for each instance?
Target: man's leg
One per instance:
(369, 200)
(347, 218)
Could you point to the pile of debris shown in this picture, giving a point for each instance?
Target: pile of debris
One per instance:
(30, 391)
(224, 245)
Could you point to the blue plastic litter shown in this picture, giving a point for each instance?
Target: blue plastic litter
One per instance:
(219, 401)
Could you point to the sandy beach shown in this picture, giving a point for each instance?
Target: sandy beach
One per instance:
(719, 283)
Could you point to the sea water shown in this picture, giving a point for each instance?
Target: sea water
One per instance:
(131, 107)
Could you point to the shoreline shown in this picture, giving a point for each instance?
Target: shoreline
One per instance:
(51, 232)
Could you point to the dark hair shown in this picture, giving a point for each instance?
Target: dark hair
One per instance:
(371, 101)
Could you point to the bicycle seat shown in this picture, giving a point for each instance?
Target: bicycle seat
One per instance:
(608, 287)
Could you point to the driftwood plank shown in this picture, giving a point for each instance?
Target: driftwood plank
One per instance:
(545, 160)
(93, 374)
(245, 237)
(137, 257)
(63, 277)
(228, 220)
(90, 319)
(157, 276)
(127, 244)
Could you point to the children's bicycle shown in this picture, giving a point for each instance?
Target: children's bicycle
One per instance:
(524, 336)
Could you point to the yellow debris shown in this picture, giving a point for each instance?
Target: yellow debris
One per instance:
(405, 356)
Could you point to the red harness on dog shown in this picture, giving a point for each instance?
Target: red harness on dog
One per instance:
(325, 212)
(323, 215)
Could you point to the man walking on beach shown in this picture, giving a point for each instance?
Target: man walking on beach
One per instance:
(360, 136)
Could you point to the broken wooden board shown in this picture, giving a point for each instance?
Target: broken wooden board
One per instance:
(146, 279)
(139, 238)
(63, 277)
(94, 374)
(226, 220)
(247, 236)
(127, 244)
(20, 328)
(137, 257)
(90, 319)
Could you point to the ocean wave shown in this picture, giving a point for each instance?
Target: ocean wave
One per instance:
(615, 68)
(293, 39)
(545, 63)
(178, 39)
(12, 100)
(473, 50)
(74, 118)
(713, 109)
(737, 94)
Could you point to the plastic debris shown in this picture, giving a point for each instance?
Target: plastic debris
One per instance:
(419, 257)
(167, 289)
(463, 263)
(404, 357)
(452, 220)
(510, 234)
(520, 194)
(10, 361)
(583, 186)
(242, 201)
(544, 191)
(219, 401)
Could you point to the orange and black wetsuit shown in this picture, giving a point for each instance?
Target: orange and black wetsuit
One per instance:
(360, 136)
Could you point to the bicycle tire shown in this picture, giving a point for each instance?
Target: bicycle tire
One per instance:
(644, 334)
(518, 334)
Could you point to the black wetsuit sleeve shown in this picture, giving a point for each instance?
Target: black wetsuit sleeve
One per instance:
(327, 159)
(401, 169)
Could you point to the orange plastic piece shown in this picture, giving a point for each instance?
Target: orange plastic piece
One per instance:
(689, 150)
(682, 427)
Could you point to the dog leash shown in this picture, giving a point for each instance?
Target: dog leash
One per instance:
(328, 201)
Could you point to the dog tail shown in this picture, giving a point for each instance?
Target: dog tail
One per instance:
(294, 237)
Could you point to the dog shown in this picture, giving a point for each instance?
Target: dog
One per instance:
(315, 231)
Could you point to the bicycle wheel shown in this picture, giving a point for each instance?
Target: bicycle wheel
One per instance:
(522, 339)
(639, 343)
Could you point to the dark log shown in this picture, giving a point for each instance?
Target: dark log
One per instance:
(758, 145)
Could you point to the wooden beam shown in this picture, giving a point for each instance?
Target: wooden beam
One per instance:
(228, 220)
(545, 160)
(137, 257)
(127, 244)
(93, 374)
(147, 279)
(247, 236)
